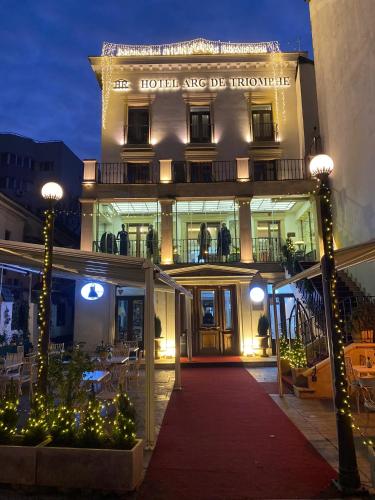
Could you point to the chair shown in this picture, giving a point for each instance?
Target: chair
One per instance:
(362, 360)
(353, 382)
(14, 374)
(30, 373)
(56, 348)
(120, 350)
(111, 386)
(367, 385)
(133, 371)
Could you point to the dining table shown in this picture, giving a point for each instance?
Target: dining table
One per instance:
(95, 376)
(117, 360)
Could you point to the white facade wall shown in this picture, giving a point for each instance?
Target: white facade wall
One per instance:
(343, 38)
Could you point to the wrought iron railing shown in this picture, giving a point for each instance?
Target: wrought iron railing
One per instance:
(267, 250)
(126, 173)
(189, 251)
(131, 248)
(216, 171)
(279, 170)
(196, 172)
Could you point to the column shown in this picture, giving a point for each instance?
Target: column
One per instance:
(177, 360)
(87, 224)
(166, 231)
(242, 169)
(165, 171)
(149, 343)
(246, 242)
(189, 335)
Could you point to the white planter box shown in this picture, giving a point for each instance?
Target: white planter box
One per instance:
(76, 468)
(94, 469)
(17, 465)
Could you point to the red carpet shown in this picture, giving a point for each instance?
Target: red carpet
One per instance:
(213, 359)
(224, 438)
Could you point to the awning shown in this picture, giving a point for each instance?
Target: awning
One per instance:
(344, 258)
(70, 263)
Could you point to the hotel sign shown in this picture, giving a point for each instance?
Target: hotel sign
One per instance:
(212, 83)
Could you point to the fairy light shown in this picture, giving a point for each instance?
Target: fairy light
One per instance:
(190, 47)
(349, 480)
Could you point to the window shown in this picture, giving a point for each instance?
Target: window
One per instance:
(265, 170)
(263, 127)
(208, 308)
(5, 158)
(60, 314)
(138, 126)
(200, 124)
(228, 321)
(7, 234)
(46, 166)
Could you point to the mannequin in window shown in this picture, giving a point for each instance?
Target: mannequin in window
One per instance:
(123, 236)
(108, 242)
(204, 241)
(224, 241)
(151, 243)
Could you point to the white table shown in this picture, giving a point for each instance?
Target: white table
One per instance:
(95, 376)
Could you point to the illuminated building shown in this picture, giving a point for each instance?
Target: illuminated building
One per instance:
(206, 133)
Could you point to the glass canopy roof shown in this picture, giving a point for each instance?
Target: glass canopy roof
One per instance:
(205, 206)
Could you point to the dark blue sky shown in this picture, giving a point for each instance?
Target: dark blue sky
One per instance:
(47, 88)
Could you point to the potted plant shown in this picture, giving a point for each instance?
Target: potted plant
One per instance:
(263, 327)
(158, 337)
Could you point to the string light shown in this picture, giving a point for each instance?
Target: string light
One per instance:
(190, 47)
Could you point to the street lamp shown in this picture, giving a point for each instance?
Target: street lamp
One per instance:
(52, 192)
(348, 482)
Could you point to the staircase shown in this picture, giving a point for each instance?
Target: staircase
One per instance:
(356, 309)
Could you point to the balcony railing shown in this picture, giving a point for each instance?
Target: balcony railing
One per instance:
(189, 251)
(266, 131)
(216, 171)
(135, 248)
(279, 170)
(267, 250)
(124, 173)
(210, 172)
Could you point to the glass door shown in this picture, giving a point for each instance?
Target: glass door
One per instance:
(137, 239)
(215, 320)
(130, 319)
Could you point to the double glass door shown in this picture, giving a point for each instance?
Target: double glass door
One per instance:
(129, 324)
(214, 320)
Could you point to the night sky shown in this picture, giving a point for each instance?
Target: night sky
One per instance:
(47, 87)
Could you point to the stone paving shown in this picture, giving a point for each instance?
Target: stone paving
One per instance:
(316, 420)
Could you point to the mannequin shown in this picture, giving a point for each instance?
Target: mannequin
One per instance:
(108, 242)
(204, 241)
(151, 242)
(224, 241)
(123, 236)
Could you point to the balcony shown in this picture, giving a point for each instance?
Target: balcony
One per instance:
(188, 251)
(136, 248)
(267, 250)
(184, 172)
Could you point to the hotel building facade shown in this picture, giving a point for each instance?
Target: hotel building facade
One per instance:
(204, 170)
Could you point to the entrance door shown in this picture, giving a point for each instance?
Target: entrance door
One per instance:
(214, 320)
(129, 324)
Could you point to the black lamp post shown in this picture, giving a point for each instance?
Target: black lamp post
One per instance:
(52, 192)
(348, 482)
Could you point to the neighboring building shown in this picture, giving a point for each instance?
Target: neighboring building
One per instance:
(25, 165)
(22, 286)
(343, 39)
(205, 133)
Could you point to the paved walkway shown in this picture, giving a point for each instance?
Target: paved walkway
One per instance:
(223, 437)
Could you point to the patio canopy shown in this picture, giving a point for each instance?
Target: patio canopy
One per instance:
(68, 262)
